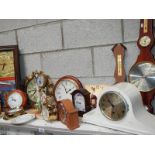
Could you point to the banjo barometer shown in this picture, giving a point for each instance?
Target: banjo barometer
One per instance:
(142, 73)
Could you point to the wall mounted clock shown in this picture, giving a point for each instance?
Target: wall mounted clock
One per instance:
(65, 86)
(81, 100)
(119, 52)
(142, 73)
(9, 70)
(68, 114)
(120, 107)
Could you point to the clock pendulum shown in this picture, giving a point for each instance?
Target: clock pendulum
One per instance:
(142, 73)
(118, 51)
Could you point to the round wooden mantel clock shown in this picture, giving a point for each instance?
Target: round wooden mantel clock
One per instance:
(142, 73)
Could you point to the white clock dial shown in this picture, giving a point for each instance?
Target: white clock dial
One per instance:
(15, 100)
(145, 41)
(64, 89)
(79, 102)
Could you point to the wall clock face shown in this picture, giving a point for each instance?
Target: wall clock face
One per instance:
(142, 75)
(79, 102)
(65, 86)
(113, 106)
(145, 41)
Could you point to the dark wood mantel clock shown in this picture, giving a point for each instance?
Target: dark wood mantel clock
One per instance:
(142, 73)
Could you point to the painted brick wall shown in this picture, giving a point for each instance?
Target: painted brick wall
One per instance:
(78, 47)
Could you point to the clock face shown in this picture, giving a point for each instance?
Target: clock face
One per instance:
(32, 91)
(41, 80)
(7, 64)
(79, 102)
(15, 100)
(144, 41)
(64, 88)
(142, 75)
(113, 106)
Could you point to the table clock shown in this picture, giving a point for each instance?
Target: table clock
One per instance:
(142, 73)
(81, 100)
(68, 114)
(120, 107)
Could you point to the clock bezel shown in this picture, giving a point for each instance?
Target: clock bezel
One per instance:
(22, 94)
(124, 101)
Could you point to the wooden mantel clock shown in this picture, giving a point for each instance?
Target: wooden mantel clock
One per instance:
(142, 73)
(119, 52)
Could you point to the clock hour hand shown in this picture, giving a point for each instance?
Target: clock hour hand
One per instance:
(111, 103)
(64, 88)
(69, 90)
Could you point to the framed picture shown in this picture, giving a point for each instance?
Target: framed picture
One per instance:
(9, 70)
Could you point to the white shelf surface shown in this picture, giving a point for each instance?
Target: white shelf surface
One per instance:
(56, 127)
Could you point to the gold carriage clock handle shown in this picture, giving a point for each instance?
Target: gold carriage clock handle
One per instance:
(119, 50)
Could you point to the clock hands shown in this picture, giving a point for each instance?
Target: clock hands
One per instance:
(69, 90)
(64, 88)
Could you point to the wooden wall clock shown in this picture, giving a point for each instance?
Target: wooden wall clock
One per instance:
(119, 52)
(142, 73)
(65, 86)
(68, 114)
(9, 70)
(81, 100)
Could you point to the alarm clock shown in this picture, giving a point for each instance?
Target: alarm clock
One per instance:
(65, 86)
(142, 73)
(120, 107)
(67, 114)
(81, 100)
(16, 100)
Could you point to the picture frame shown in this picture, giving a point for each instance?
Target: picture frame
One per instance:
(9, 71)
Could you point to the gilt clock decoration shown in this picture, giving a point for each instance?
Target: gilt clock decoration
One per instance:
(65, 86)
(39, 88)
(9, 70)
(142, 73)
(81, 100)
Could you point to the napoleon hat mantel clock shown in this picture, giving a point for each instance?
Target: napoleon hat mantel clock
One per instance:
(142, 73)
(120, 107)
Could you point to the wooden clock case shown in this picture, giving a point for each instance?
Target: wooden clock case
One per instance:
(119, 53)
(86, 94)
(67, 114)
(146, 56)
